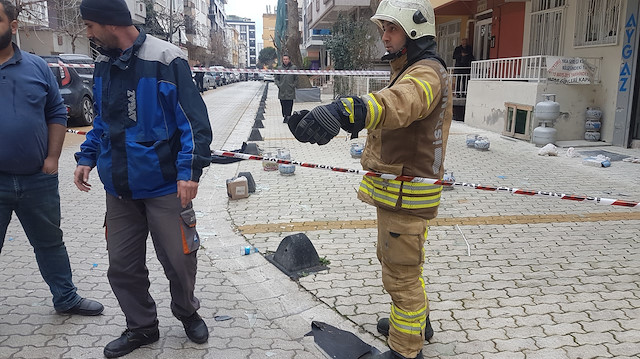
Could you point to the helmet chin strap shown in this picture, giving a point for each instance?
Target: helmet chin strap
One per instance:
(390, 56)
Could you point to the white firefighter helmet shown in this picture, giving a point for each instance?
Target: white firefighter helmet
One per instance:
(415, 16)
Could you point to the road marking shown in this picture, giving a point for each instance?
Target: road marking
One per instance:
(442, 222)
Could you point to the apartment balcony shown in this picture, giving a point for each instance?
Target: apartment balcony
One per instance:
(323, 13)
(314, 41)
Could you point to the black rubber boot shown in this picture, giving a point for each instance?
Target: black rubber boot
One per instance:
(383, 328)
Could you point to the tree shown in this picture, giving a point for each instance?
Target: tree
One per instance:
(63, 17)
(288, 37)
(351, 46)
(67, 18)
(219, 50)
(163, 22)
(267, 57)
(292, 45)
(350, 43)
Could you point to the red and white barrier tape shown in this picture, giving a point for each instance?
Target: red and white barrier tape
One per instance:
(263, 71)
(571, 197)
(76, 132)
(414, 179)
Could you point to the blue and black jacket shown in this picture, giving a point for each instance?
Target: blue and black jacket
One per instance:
(151, 127)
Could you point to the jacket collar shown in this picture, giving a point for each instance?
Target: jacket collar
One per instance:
(17, 56)
(122, 59)
(397, 64)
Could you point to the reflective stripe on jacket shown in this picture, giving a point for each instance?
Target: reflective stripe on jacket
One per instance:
(408, 126)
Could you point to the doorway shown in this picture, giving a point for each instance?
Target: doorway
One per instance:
(482, 39)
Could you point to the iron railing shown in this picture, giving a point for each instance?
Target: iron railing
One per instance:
(527, 68)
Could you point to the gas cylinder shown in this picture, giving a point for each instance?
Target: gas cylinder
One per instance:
(543, 135)
(546, 112)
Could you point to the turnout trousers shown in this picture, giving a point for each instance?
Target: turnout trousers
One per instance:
(400, 250)
(128, 224)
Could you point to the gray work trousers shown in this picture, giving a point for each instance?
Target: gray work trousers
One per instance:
(172, 228)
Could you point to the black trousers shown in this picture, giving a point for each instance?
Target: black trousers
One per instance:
(287, 106)
(200, 81)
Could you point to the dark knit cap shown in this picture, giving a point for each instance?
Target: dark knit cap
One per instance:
(106, 12)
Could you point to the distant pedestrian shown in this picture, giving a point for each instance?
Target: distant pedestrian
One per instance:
(463, 56)
(199, 77)
(150, 142)
(408, 126)
(32, 129)
(286, 87)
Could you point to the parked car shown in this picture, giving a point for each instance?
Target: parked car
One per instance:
(76, 86)
(228, 79)
(209, 81)
(269, 78)
(218, 78)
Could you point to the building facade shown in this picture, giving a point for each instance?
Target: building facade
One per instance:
(232, 43)
(268, 30)
(217, 15)
(318, 17)
(527, 49)
(247, 30)
(197, 28)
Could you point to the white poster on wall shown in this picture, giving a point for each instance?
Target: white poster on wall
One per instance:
(570, 70)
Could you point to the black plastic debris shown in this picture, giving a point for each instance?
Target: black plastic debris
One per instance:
(340, 344)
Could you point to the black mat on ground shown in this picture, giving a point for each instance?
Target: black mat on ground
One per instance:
(340, 344)
(612, 155)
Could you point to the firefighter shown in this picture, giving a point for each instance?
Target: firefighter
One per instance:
(408, 125)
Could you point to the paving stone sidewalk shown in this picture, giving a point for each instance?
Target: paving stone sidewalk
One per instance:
(545, 278)
(542, 277)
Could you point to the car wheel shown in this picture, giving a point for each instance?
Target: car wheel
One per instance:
(86, 115)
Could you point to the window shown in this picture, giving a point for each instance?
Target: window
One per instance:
(517, 123)
(547, 27)
(597, 22)
(448, 36)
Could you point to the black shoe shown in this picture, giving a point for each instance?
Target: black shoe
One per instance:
(85, 307)
(195, 328)
(394, 355)
(286, 119)
(383, 328)
(129, 341)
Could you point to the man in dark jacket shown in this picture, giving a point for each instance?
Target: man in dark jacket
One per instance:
(286, 87)
(199, 77)
(150, 142)
(463, 55)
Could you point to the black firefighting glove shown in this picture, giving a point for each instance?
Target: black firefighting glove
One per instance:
(323, 123)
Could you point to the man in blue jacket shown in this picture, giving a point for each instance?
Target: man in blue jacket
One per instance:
(32, 128)
(150, 142)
